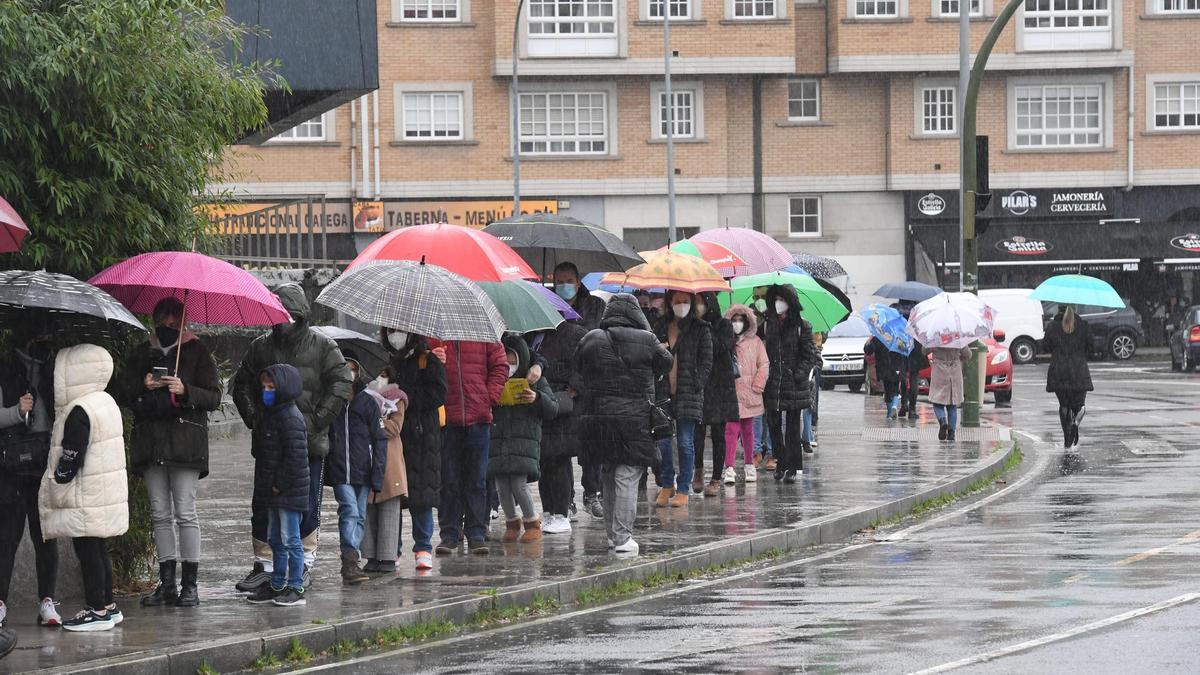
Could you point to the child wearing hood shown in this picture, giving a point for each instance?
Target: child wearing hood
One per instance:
(515, 450)
(753, 368)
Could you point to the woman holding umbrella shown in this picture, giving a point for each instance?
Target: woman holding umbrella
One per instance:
(946, 387)
(720, 396)
(792, 355)
(1069, 377)
(690, 341)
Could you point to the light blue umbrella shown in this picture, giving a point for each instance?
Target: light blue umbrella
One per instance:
(889, 326)
(1078, 289)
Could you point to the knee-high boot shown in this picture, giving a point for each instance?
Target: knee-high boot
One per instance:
(1066, 419)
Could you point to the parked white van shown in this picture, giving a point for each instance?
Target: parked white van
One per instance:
(1020, 317)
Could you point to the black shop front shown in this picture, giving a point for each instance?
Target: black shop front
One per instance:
(1145, 242)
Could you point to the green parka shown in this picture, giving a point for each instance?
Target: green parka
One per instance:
(517, 429)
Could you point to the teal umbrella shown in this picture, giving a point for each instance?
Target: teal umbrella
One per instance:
(1078, 289)
(523, 305)
(822, 308)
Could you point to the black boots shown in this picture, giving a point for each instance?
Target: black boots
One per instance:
(167, 592)
(1067, 420)
(187, 587)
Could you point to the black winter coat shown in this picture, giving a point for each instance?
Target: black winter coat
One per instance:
(421, 376)
(1068, 357)
(917, 359)
(358, 444)
(617, 366)
(888, 364)
(720, 396)
(281, 452)
(694, 353)
(166, 433)
(559, 437)
(322, 369)
(515, 447)
(589, 307)
(791, 352)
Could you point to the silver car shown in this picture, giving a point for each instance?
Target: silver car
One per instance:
(842, 354)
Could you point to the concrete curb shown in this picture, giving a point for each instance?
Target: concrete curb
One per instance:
(236, 653)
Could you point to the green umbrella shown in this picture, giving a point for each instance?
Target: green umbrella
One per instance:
(822, 308)
(523, 305)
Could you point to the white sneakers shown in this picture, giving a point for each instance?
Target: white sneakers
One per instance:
(47, 615)
(751, 474)
(630, 547)
(553, 523)
(729, 475)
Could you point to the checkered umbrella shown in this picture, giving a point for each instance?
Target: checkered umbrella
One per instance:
(416, 297)
(63, 305)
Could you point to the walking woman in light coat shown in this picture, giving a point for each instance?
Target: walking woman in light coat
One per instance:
(946, 387)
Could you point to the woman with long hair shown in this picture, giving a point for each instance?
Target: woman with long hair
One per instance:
(1069, 377)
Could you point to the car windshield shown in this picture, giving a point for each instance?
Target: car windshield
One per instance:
(851, 327)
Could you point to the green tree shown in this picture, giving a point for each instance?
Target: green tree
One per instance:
(114, 115)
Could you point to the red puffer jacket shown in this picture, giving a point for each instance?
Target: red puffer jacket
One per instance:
(475, 377)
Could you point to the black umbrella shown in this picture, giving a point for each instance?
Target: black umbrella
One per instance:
(546, 239)
(819, 266)
(835, 292)
(67, 306)
(371, 355)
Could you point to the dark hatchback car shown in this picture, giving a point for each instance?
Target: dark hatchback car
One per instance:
(1115, 333)
(1184, 341)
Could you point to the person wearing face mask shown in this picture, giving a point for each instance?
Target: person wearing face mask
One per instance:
(568, 286)
(326, 389)
(753, 368)
(168, 444)
(690, 341)
(793, 356)
(720, 396)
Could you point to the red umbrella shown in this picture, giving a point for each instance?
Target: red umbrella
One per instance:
(12, 228)
(470, 253)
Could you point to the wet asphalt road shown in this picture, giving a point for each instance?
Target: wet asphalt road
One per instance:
(1082, 540)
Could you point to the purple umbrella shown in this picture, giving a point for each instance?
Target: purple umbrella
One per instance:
(761, 253)
(561, 305)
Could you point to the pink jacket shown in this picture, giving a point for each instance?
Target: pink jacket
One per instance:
(752, 360)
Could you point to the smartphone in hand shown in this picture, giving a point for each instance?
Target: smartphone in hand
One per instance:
(159, 373)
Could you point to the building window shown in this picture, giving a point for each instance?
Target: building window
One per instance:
(433, 116)
(1066, 14)
(950, 8)
(312, 130)
(804, 100)
(754, 9)
(564, 123)
(1054, 116)
(937, 110)
(876, 8)
(804, 216)
(684, 110)
(572, 17)
(1177, 105)
(1179, 6)
(429, 10)
(680, 9)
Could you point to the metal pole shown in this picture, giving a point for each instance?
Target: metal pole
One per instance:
(514, 104)
(666, 10)
(964, 80)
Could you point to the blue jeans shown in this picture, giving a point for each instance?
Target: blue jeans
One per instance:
(685, 436)
(762, 440)
(807, 434)
(947, 414)
(283, 533)
(422, 530)
(352, 514)
(463, 508)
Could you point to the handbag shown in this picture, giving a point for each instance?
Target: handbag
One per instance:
(662, 422)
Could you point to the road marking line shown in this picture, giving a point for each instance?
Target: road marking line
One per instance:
(1138, 557)
(1076, 577)
(1058, 637)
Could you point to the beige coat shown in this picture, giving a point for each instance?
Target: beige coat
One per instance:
(946, 375)
(395, 474)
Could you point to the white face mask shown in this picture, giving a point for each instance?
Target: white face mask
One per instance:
(781, 307)
(738, 327)
(512, 369)
(378, 384)
(681, 310)
(398, 339)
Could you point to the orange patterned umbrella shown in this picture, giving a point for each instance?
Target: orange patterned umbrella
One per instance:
(672, 271)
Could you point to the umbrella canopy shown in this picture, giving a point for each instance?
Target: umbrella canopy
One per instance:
(371, 355)
(889, 326)
(469, 253)
(13, 230)
(564, 308)
(524, 308)
(671, 271)
(546, 239)
(822, 309)
(64, 304)
(760, 252)
(952, 320)
(1078, 289)
(819, 266)
(416, 297)
(728, 263)
(912, 291)
(594, 281)
(212, 290)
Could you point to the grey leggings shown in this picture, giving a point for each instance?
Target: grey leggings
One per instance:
(173, 502)
(514, 491)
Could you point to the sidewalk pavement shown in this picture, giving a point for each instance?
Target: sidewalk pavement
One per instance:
(864, 469)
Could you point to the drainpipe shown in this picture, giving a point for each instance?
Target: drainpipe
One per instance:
(758, 213)
(365, 146)
(375, 121)
(1129, 134)
(887, 134)
(353, 151)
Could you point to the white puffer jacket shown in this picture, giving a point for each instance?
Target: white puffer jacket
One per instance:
(96, 502)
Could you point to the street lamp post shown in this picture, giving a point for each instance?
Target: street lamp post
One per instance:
(515, 113)
(670, 119)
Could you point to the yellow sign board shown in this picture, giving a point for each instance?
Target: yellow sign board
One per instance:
(388, 216)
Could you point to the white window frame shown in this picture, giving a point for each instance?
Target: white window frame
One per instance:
(1160, 7)
(454, 130)
(588, 44)
(802, 82)
(691, 10)
(288, 137)
(792, 199)
(941, 86)
(399, 7)
(657, 91)
(1078, 16)
(466, 119)
(1105, 83)
(1176, 80)
(978, 8)
(779, 10)
(852, 10)
(607, 89)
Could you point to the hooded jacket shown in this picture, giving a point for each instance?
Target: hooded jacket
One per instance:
(693, 352)
(791, 352)
(617, 366)
(323, 372)
(171, 431)
(753, 363)
(281, 476)
(95, 503)
(422, 377)
(720, 396)
(358, 442)
(517, 429)
(559, 438)
(475, 377)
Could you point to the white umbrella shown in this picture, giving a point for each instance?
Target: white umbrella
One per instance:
(952, 320)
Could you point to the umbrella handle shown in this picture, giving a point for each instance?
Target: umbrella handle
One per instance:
(179, 340)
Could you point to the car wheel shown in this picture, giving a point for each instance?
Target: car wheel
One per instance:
(856, 387)
(1122, 346)
(1023, 350)
(827, 386)
(1004, 396)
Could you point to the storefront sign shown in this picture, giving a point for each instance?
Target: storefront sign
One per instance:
(931, 204)
(276, 217)
(1049, 203)
(1187, 242)
(1019, 245)
(388, 216)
